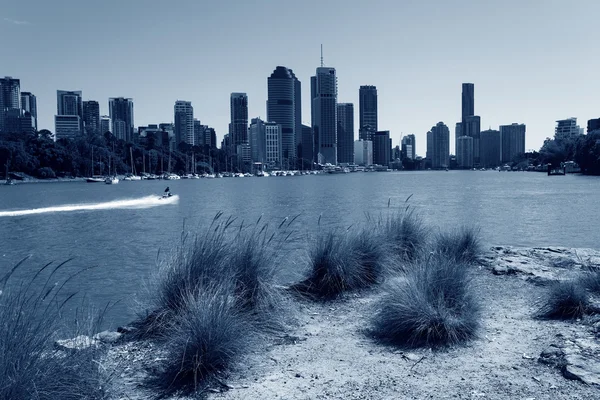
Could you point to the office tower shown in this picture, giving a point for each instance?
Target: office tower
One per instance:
(472, 128)
(184, 122)
(513, 141)
(367, 104)
(257, 137)
(10, 100)
(68, 121)
(91, 117)
(105, 124)
(29, 105)
(438, 146)
(567, 128)
(363, 152)
(490, 148)
(323, 89)
(273, 144)
(284, 105)
(238, 128)
(345, 133)
(307, 153)
(464, 155)
(210, 137)
(382, 148)
(121, 117)
(593, 125)
(468, 101)
(409, 146)
(458, 132)
(198, 133)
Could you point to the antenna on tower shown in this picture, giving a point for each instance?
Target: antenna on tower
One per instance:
(322, 55)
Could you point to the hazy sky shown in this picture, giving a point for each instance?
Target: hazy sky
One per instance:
(532, 61)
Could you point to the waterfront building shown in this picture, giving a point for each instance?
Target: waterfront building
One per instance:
(472, 128)
(409, 146)
(69, 104)
(438, 146)
(67, 126)
(490, 148)
(323, 89)
(307, 148)
(593, 125)
(458, 132)
(284, 105)
(345, 133)
(363, 152)
(513, 141)
(382, 148)
(273, 147)
(258, 140)
(184, 122)
(29, 105)
(91, 117)
(10, 100)
(468, 102)
(121, 117)
(567, 128)
(464, 154)
(238, 127)
(105, 125)
(367, 104)
(244, 152)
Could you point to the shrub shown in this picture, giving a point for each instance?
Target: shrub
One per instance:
(45, 173)
(566, 300)
(202, 343)
(462, 245)
(30, 366)
(368, 247)
(406, 234)
(433, 305)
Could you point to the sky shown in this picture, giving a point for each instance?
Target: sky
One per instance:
(532, 61)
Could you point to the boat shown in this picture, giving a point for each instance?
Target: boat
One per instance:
(111, 180)
(95, 179)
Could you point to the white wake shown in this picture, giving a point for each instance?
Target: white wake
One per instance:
(142, 202)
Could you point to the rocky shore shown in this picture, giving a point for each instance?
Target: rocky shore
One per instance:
(327, 352)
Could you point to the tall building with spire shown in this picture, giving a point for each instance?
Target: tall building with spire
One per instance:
(284, 105)
(323, 89)
(367, 117)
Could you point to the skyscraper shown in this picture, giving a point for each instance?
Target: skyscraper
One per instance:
(367, 98)
(10, 100)
(468, 101)
(68, 121)
(105, 124)
(382, 148)
(409, 146)
(307, 149)
(490, 148)
(29, 105)
(238, 128)
(284, 105)
(121, 117)
(273, 148)
(258, 141)
(458, 132)
(438, 146)
(363, 152)
(345, 133)
(472, 128)
(184, 122)
(323, 89)
(91, 117)
(464, 154)
(513, 141)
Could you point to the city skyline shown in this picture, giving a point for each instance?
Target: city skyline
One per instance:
(515, 82)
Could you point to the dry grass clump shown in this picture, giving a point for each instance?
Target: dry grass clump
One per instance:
(462, 244)
(434, 305)
(30, 365)
(406, 233)
(566, 300)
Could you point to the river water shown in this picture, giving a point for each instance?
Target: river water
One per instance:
(124, 232)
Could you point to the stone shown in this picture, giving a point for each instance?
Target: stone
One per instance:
(81, 342)
(585, 369)
(125, 329)
(503, 270)
(108, 336)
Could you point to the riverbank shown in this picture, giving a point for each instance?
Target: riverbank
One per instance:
(327, 353)
(28, 180)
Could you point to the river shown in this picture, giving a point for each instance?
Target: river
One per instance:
(123, 242)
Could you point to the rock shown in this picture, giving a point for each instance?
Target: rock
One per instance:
(540, 280)
(553, 355)
(108, 336)
(585, 369)
(503, 270)
(81, 342)
(125, 329)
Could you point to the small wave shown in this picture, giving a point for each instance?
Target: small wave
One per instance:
(142, 202)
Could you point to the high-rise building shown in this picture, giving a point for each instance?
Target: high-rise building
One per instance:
(284, 105)
(238, 128)
(258, 141)
(29, 105)
(409, 146)
(458, 132)
(593, 125)
(121, 117)
(490, 148)
(438, 146)
(464, 155)
(323, 89)
(567, 128)
(105, 125)
(363, 152)
(273, 147)
(472, 128)
(184, 122)
(367, 103)
(513, 141)
(382, 148)
(307, 148)
(10, 100)
(91, 117)
(67, 126)
(345, 133)
(68, 121)
(468, 101)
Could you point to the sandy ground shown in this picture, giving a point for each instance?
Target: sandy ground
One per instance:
(328, 353)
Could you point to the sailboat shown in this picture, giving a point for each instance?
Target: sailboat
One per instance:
(92, 178)
(111, 180)
(8, 180)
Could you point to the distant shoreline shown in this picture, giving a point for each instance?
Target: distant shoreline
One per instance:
(36, 180)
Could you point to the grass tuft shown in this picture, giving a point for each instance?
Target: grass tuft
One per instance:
(406, 233)
(566, 300)
(433, 305)
(462, 244)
